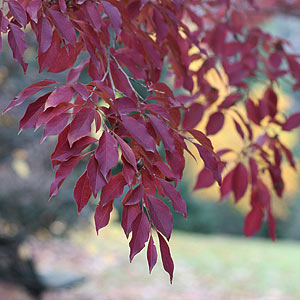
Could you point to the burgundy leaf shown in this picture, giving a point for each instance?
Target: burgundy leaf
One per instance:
(134, 196)
(107, 153)
(64, 26)
(18, 12)
(253, 169)
(139, 133)
(202, 139)
(55, 125)
(44, 34)
(96, 178)
(253, 221)
(28, 92)
(102, 215)
(277, 180)
(210, 162)
(60, 95)
(177, 162)
(292, 122)
(163, 130)
(17, 44)
(215, 123)
(82, 191)
(171, 192)
(62, 5)
(93, 14)
(239, 129)
(160, 216)
(114, 189)
(129, 214)
(151, 254)
(32, 113)
(226, 186)
(114, 16)
(74, 73)
(64, 170)
(128, 172)
(205, 179)
(127, 152)
(140, 234)
(166, 256)
(33, 8)
(52, 112)
(81, 124)
(239, 181)
(192, 116)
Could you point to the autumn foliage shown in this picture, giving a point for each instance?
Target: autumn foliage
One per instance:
(129, 112)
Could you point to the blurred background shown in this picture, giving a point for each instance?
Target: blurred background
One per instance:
(49, 252)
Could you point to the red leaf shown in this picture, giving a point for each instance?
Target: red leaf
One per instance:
(93, 14)
(226, 186)
(74, 73)
(52, 112)
(32, 113)
(171, 192)
(64, 26)
(253, 221)
(82, 191)
(17, 44)
(166, 256)
(28, 92)
(192, 116)
(292, 122)
(114, 189)
(239, 181)
(202, 139)
(18, 12)
(134, 196)
(128, 171)
(114, 16)
(62, 5)
(60, 95)
(44, 34)
(139, 133)
(102, 215)
(64, 170)
(230, 100)
(160, 216)
(81, 124)
(239, 129)
(96, 178)
(55, 125)
(151, 254)
(277, 181)
(33, 8)
(205, 179)
(210, 162)
(254, 170)
(127, 152)
(176, 162)
(165, 170)
(163, 131)
(107, 153)
(215, 123)
(161, 26)
(140, 234)
(129, 214)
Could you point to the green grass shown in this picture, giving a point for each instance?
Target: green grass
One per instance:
(206, 267)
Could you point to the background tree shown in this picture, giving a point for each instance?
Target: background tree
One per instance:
(144, 99)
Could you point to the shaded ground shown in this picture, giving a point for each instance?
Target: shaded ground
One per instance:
(206, 267)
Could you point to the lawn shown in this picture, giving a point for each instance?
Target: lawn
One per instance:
(206, 267)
